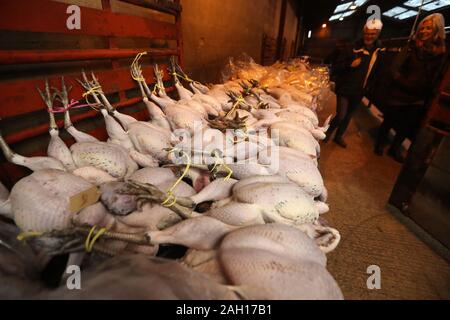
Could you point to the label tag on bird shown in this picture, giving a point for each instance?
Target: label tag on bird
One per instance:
(84, 199)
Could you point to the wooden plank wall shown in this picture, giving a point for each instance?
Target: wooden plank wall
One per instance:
(35, 44)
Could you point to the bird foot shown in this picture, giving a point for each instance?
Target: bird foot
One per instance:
(144, 192)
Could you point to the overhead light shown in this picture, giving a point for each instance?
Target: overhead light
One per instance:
(394, 11)
(353, 7)
(341, 19)
(416, 3)
(309, 34)
(359, 3)
(324, 26)
(348, 13)
(335, 17)
(436, 5)
(342, 7)
(406, 15)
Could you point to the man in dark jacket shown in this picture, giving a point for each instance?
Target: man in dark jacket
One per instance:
(354, 69)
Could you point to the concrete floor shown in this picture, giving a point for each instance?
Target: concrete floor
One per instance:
(359, 185)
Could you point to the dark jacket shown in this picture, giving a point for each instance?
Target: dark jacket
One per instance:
(355, 81)
(413, 75)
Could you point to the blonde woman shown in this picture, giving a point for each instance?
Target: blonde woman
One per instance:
(413, 78)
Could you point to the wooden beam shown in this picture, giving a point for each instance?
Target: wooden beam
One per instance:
(21, 17)
(39, 56)
(169, 7)
(21, 97)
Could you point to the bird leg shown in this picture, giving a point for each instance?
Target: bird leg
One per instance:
(146, 192)
(48, 100)
(7, 152)
(106, 103)
(63, 95)
(32, 163)
(136, 72)
(159, 81)
(173, 70)
(81, 238)
(224, 123)
(180, 71)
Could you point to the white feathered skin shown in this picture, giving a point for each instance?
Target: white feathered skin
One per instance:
(150, 139)
(294, 138)
(298, 168)
(266, 275)
(110, 158)
(286, 200)
(275, 237)
(40, 201)
(271, 261)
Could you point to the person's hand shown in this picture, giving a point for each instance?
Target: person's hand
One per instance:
(356, 63)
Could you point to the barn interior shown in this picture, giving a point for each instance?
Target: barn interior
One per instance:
(389, 222)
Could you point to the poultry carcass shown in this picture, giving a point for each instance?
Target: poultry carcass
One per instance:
(95, 160)
(257, 200)
(295, 166)
(199, 95)
(145, 141)
(178, 114)
(290, 135)
(271, 261)
(142, 277)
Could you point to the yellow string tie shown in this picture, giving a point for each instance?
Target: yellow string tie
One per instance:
(92, 91)
(28, 234)
(170, 200)
(170, 196)
(156, 86)
(134, 66)
(223, 165)
(96, 89)
(219, 163)
(233, 108)
(185, 77)
(216, 163)
(89, 244)
(230, 172)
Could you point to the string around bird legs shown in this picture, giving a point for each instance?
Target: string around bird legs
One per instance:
(171, 198)
(74, 104)
(156, 86)
(220, 163)
(185, 77)
(238, 101)
(92, 91)
(28, 234)
(135, 74)
(89, 244)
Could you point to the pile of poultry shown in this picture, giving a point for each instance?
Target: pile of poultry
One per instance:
(226, 175)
